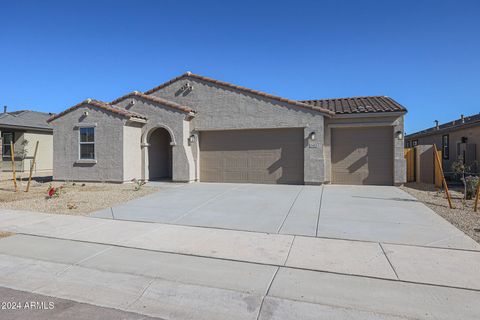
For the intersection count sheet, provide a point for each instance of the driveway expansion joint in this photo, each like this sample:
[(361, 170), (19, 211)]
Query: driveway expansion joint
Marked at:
[(267, 292), (290, 209), (389, 262), (319, 211)]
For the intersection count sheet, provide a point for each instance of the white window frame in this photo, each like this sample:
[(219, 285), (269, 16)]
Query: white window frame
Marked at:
[(80, 143)]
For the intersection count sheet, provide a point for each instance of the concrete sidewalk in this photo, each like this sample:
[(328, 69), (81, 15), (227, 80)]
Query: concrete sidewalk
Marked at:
[(177, 286), (360, 258)]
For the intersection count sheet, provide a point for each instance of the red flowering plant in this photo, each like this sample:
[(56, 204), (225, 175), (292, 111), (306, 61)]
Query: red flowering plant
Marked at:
[(53, 192)]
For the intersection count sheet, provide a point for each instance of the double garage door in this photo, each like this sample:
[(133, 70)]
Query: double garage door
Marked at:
[(252, 156), (362, 155), (359, 156)]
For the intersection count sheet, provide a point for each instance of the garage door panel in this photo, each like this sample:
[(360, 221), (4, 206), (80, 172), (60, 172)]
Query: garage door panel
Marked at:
[(362, 155), (255, 156)]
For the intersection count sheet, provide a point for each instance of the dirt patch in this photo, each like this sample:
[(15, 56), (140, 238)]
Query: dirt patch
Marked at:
[(4, 234), (74, 198), (461, 217)]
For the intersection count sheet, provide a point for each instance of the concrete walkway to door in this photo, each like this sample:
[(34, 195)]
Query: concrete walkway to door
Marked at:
[(368, 213)]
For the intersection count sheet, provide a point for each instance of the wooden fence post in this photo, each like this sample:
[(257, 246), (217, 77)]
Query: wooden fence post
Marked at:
[(12, 154), (439, 163), (31, 167)]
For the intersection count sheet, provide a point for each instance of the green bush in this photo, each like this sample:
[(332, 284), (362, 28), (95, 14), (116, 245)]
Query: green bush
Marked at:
[(471, 183)]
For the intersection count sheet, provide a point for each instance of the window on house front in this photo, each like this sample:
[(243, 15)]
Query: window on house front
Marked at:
[(415, 143), (408, 144), (7, 138), (87, 143), (445, 146)]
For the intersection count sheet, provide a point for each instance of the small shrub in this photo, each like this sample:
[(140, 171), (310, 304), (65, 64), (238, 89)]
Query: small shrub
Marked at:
[(137, 184), (471, 184), (53, 192)]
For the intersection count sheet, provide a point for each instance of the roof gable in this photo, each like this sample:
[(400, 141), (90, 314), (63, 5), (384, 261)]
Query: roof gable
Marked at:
[(154, 99), (101, 105), (242, 89)]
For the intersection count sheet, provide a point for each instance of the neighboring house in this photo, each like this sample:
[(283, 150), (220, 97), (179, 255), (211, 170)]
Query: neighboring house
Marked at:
[(24, 128), (458, 139), (193, 128)]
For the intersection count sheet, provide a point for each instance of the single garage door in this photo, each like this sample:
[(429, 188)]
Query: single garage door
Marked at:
[(362, 155), (252, 156)]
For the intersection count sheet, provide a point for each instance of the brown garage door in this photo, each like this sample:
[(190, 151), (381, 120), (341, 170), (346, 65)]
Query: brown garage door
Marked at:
[(362, 155), (254, 156)]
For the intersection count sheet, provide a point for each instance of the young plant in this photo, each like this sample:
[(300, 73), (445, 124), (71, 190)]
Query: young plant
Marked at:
[(137, 184), (461, 169), (471, 184), (53, 192)]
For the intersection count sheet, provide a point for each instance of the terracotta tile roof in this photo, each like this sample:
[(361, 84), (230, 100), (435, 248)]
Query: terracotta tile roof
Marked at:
[(358, 105), (154, 99), (239, 88), (101, 105), (467, 121)]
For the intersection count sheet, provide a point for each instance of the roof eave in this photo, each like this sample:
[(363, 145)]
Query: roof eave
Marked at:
[(140, 95), (442, 130), (19, 127)]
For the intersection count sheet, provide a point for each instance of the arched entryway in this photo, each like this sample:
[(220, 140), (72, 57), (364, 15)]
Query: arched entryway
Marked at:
[(160, 155)]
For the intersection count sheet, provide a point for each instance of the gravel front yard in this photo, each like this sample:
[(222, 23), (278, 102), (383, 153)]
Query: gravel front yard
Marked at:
[(461, 217), (74, 199)]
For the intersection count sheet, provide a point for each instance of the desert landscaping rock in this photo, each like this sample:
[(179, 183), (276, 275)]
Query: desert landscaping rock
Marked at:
[(81, 199)]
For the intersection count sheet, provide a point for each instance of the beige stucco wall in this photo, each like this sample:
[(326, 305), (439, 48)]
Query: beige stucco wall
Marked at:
[(224, 108), (176, 123), (44, 160), (472, 133), (132, 156), (108, 165)]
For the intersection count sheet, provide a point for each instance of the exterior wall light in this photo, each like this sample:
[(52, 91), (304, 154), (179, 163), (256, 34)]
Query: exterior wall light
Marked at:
[(399, 135), (191, 139), (311, 136)]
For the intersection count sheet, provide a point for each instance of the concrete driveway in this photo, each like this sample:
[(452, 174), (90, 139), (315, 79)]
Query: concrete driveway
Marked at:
[(369, 213), (183, 272)]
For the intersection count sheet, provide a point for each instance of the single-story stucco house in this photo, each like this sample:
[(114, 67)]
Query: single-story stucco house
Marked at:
[(24, 128), (194, 128), (458, 139)]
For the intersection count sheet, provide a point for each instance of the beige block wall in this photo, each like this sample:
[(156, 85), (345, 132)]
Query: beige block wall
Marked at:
[(44, 160), (472, 133), (132, 153)]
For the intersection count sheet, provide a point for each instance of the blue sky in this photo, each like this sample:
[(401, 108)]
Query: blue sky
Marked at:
[(424, 54)]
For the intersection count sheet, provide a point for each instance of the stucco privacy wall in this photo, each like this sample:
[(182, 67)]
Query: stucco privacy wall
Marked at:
[(396, 121), (132, 156), (183, 165), (44, 160), (455, 137), (108, 146), (223, 108)]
